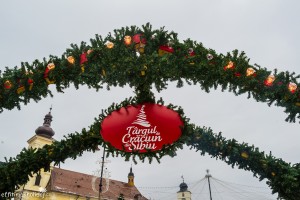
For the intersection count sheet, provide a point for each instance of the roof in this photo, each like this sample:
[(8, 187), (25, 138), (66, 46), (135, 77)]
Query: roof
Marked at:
[(85, 185)]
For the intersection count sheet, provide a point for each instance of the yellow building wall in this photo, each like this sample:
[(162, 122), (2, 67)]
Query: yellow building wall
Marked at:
[(48, 195)]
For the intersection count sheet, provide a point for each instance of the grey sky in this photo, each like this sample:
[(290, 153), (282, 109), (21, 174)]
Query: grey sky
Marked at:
[(268, 31)]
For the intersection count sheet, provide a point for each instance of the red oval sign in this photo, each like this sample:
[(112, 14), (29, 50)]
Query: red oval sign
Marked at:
[(141, 128)]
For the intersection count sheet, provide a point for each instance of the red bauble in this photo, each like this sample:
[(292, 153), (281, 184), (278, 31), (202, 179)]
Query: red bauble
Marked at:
[(138, 38), (144, 127)]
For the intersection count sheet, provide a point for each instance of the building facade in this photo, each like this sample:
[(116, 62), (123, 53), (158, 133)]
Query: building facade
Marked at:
[(184, 193), (62, 184)]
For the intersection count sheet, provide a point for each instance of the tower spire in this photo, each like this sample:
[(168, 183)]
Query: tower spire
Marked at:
[(131, 178), (45, 130)]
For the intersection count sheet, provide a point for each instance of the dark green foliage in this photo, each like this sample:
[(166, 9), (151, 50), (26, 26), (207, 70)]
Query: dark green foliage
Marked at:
[(121, 66)]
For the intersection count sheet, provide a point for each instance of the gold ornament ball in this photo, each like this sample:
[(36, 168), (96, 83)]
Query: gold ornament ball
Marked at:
[(245, 155)]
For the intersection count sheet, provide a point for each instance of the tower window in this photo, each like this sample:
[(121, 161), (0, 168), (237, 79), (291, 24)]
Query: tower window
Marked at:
[(38, 180)]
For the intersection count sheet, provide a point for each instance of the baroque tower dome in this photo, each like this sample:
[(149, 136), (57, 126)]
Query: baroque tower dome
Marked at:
[(45, 130)]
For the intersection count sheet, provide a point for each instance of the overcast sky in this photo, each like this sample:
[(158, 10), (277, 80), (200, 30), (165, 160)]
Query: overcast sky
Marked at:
[(268, 31)]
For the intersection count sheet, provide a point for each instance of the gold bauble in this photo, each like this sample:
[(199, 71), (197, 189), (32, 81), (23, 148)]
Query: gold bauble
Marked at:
[(245, 155)]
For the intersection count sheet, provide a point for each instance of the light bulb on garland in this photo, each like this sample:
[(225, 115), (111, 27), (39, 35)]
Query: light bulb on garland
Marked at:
[(7, 85), (48, 69), (230, 65), (292, 87), (127, 40), (269, 81), (89, 51), (71, 60), (109, 45), (250, 72)]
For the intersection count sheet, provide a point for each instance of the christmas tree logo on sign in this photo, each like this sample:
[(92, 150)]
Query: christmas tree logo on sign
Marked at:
[(142, 118)]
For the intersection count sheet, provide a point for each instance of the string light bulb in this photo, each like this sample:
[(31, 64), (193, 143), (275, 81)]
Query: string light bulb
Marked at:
[(250, 71)]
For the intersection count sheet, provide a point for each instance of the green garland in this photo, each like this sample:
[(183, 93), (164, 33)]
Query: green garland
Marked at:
[(283, 178), (141, 68), (159, 57)]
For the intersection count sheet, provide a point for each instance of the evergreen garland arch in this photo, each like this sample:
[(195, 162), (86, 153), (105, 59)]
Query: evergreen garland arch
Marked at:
[(144, 58)]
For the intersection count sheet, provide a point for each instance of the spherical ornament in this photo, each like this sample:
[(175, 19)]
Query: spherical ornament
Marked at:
[(209, 56), (230, 65), (191, 52), (269, 81), (292, 87), (127, 40), (109, 45), (140, 47), (138, 38), (143, 72), (7, 85), (71, 60), (245, 155), (250, 71)]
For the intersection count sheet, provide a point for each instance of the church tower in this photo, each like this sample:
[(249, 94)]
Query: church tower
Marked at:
[(183, 193), (131, 178), (42, 137)]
